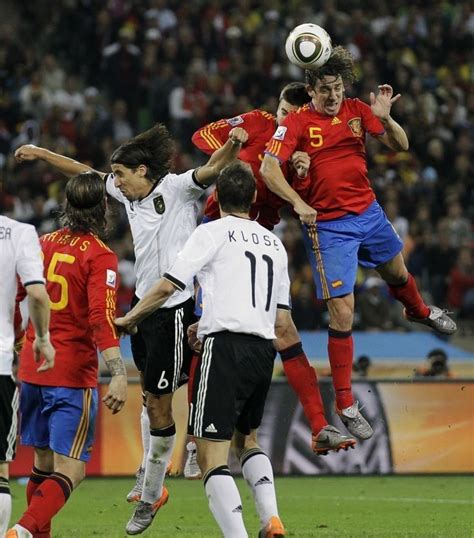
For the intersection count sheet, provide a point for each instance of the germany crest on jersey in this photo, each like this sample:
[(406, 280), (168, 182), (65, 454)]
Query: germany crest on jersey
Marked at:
[(159, 204)]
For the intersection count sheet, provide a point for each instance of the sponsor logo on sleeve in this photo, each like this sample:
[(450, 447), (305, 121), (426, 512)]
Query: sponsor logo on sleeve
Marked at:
[(280, 133), (237, 120), (111, 279)]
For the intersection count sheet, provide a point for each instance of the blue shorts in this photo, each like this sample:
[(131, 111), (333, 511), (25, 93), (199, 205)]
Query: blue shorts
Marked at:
[(60, 418), (367, 239)]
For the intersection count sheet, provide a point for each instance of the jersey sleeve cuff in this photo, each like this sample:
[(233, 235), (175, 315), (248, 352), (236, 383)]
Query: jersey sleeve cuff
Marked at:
[(273, 155), (175, 281), (283, 307), (31, 282), (196, 182)]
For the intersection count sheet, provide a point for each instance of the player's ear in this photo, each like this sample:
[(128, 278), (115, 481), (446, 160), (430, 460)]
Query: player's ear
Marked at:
[(310, 91), (142, 170)]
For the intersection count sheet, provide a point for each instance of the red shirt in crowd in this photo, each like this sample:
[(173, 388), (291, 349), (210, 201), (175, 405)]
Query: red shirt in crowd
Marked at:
[(338, 180), (81, 274)]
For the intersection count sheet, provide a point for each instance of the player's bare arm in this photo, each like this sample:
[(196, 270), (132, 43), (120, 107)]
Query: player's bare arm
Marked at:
[(208, 173), (117, 393), (67, 166), (39, 309), (276, 182), (394, 137), (150, 302)]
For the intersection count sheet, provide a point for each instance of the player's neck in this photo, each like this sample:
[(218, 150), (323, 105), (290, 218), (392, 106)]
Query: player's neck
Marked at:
[(235, 214)]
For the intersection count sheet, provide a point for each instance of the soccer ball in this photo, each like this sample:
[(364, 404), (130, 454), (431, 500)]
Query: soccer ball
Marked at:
[(308, 46)]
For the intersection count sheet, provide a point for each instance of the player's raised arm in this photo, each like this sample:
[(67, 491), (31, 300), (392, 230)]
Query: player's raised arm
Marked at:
[(207, 174), (394, 137), (67, 166)]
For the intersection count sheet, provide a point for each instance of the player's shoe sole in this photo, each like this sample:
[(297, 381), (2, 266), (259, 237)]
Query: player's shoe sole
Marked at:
[(144, 514), (437, 320), (353, 420), (331, 439), (273, 529)]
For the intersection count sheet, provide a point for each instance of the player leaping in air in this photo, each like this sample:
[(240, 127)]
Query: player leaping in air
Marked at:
[(351, 226), (260, 126)]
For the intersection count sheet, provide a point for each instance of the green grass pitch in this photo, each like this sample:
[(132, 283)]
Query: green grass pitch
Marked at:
[(415, 506)]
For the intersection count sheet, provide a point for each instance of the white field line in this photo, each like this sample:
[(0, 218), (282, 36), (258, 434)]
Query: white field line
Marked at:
[(392, 499)]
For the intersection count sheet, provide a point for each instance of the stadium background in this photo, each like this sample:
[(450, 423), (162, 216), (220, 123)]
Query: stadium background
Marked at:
[(81, 76)]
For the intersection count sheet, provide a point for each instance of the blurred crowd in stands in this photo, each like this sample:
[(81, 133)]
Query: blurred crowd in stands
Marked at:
[(81, 76)]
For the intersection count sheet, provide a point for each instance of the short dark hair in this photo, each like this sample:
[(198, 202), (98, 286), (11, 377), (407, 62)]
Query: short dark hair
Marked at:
[(85, 207), (153, 148), (235, 188), (340, 63), (295, 93)]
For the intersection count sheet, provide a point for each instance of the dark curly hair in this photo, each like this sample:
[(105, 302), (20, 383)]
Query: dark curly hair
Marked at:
[(153, 148), (295, 93), (340, 63), (85, 207)]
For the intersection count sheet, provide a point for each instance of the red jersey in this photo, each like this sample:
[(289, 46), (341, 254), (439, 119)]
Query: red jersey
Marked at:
[(260, 126), (338, 180), (81, 281)]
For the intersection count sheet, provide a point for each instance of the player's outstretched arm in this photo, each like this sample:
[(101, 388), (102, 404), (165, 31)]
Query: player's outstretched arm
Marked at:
[(394, 137), (117, 394), (276, 182), (207, 174), (68, 167), (151, 301)]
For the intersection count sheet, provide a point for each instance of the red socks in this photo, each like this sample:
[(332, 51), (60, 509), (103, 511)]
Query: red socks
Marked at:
[(341, 352), (37, 477), (410, 297), (302, 378), (45, 502)]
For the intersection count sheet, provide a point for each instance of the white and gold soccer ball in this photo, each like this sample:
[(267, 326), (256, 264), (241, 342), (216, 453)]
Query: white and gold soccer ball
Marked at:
[(308, 46)]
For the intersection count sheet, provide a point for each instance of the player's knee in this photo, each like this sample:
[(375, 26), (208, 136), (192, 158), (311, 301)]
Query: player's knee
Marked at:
[(341, 316), (286, 335), (159, 411)]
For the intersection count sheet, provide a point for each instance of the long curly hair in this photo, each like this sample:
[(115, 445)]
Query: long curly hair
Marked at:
[(340, 63), (85, 207), (153, 148)]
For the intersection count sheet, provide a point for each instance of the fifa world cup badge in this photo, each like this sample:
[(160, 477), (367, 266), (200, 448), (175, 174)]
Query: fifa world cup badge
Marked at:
[(159, 204)]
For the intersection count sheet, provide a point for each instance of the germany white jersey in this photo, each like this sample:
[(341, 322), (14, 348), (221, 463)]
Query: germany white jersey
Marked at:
[(20, 253), (243, 271), (160, 224)]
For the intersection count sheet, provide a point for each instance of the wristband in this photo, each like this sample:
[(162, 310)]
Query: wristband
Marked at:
[(43, 339)]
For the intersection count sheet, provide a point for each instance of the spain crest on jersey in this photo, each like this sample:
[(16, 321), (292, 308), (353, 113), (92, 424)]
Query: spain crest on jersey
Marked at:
[(159, 204), (356, 127)]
